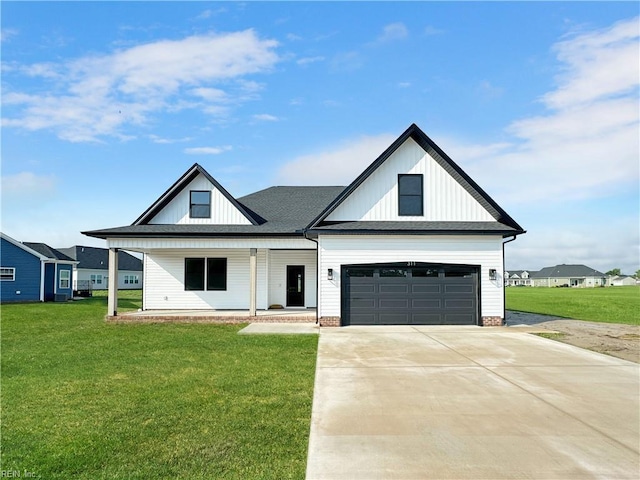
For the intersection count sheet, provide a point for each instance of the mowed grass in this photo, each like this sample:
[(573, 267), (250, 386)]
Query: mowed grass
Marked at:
[(609, 304), (85, 399)]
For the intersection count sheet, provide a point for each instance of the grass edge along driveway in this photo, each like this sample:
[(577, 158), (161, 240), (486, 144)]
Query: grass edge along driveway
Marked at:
[(607, 304), (86, 399)]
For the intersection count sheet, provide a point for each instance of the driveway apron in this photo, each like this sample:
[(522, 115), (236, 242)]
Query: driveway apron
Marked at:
[(470, 403)]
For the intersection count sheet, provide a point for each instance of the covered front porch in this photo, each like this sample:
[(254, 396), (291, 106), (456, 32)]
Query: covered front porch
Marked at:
[(232, 281)]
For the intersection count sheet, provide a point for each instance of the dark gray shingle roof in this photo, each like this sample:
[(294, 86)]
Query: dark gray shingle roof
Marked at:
[(96, 258), (365, 227), (565, 271), (47, 251)]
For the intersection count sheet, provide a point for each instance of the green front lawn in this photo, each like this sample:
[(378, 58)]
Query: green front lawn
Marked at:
[(86, 399), (609, 304)]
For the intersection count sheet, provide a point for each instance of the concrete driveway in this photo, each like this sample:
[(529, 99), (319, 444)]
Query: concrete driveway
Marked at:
[(470, 403)]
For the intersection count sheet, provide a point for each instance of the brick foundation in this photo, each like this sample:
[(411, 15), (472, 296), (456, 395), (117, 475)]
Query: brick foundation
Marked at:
[(329, 321), (207, 319), (492, 321)]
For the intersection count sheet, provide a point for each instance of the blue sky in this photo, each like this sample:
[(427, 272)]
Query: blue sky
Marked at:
[(106, 104)]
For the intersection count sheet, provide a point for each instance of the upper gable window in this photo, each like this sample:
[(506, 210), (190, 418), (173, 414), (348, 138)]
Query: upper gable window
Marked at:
[(410, 195), (199, 204)]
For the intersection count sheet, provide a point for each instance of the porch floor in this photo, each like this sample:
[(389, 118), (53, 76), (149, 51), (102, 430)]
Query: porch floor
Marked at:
[(287, 315)]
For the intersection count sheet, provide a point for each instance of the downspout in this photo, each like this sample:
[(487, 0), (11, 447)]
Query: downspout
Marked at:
[(318, 276), (504, 292)]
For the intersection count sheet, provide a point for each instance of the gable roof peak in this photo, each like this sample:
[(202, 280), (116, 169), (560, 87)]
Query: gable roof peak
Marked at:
[(416, 134), (179, 185)]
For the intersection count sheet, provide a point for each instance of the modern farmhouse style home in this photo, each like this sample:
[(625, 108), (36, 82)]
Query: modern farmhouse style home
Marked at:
[(413, 240)]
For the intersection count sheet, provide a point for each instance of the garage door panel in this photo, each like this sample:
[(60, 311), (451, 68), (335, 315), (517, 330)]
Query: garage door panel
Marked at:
[(363, 288), (458, 303), (427, 319), (458, 319), (396, 318), (363, 303), (363, 318), (422, 303), (401, 295), (418, 288), (394, 303), (390, 288), (468, 289)]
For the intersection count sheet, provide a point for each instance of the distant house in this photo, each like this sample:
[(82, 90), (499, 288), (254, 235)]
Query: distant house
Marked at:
[(32, 272), (518, 278), (621, 280), (569, 276), (92, 268)]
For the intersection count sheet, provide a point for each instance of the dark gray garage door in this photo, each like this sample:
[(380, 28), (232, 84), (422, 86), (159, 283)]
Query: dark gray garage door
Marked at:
[(409, 294)]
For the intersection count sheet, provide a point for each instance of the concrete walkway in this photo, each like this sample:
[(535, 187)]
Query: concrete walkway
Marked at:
[(470, 403)]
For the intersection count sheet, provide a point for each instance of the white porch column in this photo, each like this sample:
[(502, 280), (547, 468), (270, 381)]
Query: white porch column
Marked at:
[(253, 280), (112, 300)]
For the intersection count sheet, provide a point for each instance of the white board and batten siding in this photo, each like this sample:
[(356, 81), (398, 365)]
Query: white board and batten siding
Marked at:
[(339, 250), (278, 261), (164, 281), (223, 212), (376, 199)]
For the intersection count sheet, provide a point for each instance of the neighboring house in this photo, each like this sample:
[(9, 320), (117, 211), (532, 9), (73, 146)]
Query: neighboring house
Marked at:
[(93, 267), (569, 276), (621, 280), (32, 272), (518, 278), (413, 240)]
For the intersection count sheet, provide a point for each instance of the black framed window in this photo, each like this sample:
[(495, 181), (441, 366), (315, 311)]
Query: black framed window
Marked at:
[(194, 273), (410, 194), (201, 272), (199, 204), (216, 273)]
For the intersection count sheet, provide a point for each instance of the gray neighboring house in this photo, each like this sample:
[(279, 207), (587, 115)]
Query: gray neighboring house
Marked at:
[(518, 278), (92, 270), (621, 280), (569, 276)]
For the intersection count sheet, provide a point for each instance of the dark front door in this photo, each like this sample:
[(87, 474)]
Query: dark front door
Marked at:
[(295, 285)]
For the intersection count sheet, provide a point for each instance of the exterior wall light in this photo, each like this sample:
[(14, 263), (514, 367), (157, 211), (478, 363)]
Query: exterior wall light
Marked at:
[(330, 274), (492, 274)]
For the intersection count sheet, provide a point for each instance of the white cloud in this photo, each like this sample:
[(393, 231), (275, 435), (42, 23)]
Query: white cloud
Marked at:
[(26, 189), (265, 117), (7, 33), (337, 166), (207, 150), (308, 60), (587, 145), (100, 95), (393, 31), (431, 30), (162, 140)]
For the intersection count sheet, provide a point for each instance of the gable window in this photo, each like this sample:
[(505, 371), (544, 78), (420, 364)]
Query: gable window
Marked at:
[(201, 272), (65, 278), (7, 274), (410, 195), (199, 204)]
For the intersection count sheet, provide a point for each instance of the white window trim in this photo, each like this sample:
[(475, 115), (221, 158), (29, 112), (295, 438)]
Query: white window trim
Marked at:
[(68, 279), (13, 274)]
